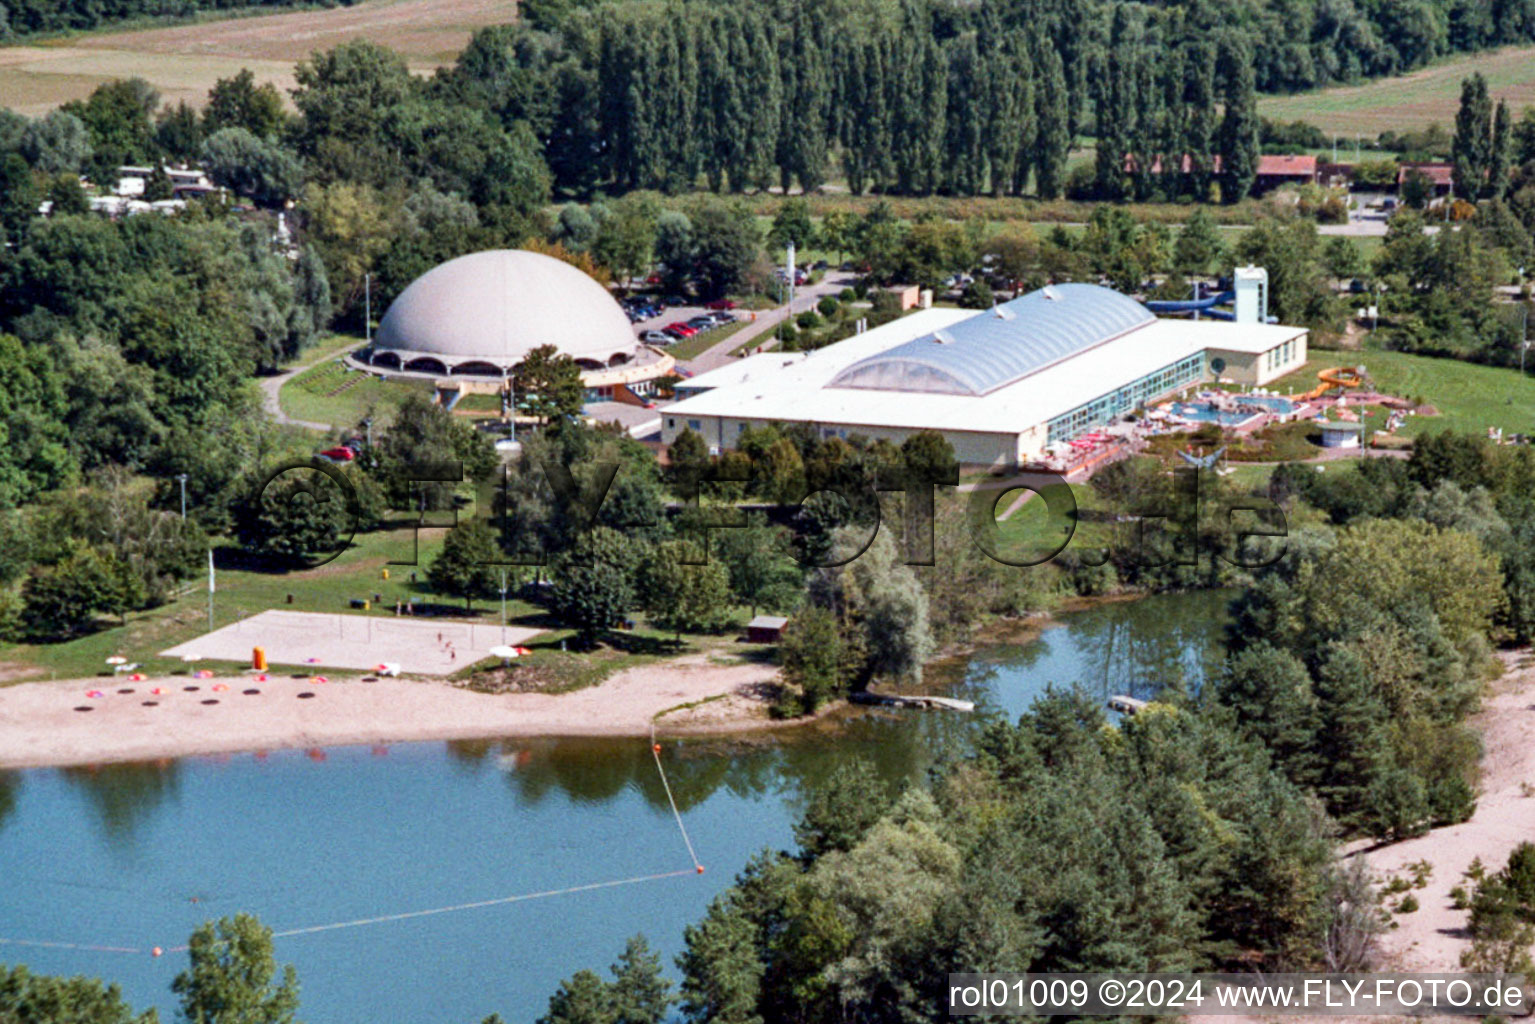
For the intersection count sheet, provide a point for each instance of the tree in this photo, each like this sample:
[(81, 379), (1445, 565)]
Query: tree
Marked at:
[(239, 102), (1239, 125), (626, 239), (1342, 258), (812, 655), (548, 384), (725, 245), (1500, 157), (842, 810), (721, 971), (593, 590), (158, 185), (29, 998), (1198, 247), (641, 994), (294, 517), (1471, 152), (763, 571), (425, 434), (682, 593), (56, 142), (792, 224), (466, 566), (179, 133), (251, 166), (584, 998), (63, 600), (687, 460), (233, 978)]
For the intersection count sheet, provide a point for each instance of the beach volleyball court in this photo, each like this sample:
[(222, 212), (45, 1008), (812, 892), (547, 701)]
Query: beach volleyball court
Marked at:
[(418, 646)]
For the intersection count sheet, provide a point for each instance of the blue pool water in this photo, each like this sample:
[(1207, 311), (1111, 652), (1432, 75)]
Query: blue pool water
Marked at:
[(1205, 412)]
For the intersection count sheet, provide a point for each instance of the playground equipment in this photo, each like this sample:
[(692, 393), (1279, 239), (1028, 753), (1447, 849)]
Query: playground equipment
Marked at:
[(1346, 377), (1203, 461)]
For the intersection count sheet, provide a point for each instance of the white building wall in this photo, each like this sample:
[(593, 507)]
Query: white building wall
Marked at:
[(970, 447)]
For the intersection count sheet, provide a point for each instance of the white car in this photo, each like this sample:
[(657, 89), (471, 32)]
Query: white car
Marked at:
[(656, 338)]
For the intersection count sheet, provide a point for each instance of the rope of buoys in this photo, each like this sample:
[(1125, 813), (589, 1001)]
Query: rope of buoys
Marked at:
[(655, 749), (88, 947), (475, 905), (655, 752)]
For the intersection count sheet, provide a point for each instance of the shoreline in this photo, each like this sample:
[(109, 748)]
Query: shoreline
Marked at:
[(41, 728)]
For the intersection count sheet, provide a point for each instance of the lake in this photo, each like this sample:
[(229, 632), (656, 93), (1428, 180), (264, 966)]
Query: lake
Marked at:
[(138, 855)]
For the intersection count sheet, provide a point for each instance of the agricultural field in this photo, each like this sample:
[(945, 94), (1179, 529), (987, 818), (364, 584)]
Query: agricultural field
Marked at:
[(183, 61), (1413, 100)]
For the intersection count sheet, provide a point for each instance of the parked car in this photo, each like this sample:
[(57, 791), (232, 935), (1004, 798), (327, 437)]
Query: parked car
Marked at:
[(678, 333), (723, 317), (687, 329), (703, 323), (656, 338), (721, 304), (340, 453)]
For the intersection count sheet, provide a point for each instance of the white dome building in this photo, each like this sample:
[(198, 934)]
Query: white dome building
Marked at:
[(480, 315)]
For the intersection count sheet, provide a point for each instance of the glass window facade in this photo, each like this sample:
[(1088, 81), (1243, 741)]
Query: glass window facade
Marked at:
[(1103, 409)]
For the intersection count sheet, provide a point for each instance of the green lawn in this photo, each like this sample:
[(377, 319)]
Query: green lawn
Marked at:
[(329, 393), (688, 348), (555, 665), (1470, 398)]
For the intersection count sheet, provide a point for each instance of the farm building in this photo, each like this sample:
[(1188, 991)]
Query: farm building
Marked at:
[(478, 316), (1002, 385)]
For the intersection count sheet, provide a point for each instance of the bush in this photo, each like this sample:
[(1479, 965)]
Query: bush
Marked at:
[(809, 320), (828, 306), (848, 295)]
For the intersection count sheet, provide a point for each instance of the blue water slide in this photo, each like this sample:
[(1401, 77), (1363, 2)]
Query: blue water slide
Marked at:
[(1205, 305)]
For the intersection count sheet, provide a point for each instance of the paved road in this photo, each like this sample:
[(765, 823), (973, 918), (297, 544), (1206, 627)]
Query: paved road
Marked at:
[(805, 297)]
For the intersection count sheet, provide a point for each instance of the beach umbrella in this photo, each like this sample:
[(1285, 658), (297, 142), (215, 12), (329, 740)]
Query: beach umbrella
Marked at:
[(189, 658), (117, 659)]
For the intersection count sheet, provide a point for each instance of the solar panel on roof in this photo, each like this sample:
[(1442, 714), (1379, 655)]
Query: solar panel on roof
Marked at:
[(996, 348)]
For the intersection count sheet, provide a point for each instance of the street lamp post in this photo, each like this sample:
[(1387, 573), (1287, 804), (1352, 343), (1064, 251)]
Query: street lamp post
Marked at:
[(181, 478)]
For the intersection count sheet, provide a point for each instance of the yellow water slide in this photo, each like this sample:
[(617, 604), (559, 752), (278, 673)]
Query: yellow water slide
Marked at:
[(1336, 377)]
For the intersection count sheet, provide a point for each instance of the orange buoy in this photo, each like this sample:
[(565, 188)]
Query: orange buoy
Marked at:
[(656, 748), (156, 951), (700, 869)]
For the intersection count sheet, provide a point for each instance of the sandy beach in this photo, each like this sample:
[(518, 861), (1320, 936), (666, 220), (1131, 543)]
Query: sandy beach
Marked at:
[(39, 723), (1433, 937)]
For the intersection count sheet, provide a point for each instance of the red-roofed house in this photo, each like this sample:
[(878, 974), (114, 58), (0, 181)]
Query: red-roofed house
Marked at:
[(1440, 176), (1286, 169)]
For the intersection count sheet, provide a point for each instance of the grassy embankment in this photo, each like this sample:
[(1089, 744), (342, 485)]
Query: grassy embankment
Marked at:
[(329, 393)]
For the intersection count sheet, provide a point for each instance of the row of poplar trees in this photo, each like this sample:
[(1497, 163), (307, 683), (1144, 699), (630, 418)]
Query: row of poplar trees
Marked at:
[(891, 99)]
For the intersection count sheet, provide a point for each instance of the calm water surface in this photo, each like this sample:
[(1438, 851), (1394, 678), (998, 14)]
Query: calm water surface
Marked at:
[(138, 855)]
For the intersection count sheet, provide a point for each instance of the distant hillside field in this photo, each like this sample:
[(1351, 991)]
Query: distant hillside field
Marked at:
[(1412, 100), (183, 61)]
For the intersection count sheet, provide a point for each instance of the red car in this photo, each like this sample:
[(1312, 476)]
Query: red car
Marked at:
[(684, 329), (721, 304), (339, 454)]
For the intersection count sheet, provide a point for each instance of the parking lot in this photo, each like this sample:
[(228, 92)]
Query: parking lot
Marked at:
[(659, 323)]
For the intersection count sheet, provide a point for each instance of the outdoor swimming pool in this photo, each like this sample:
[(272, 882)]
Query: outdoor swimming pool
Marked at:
[(1276, 404), (1205, 412)]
